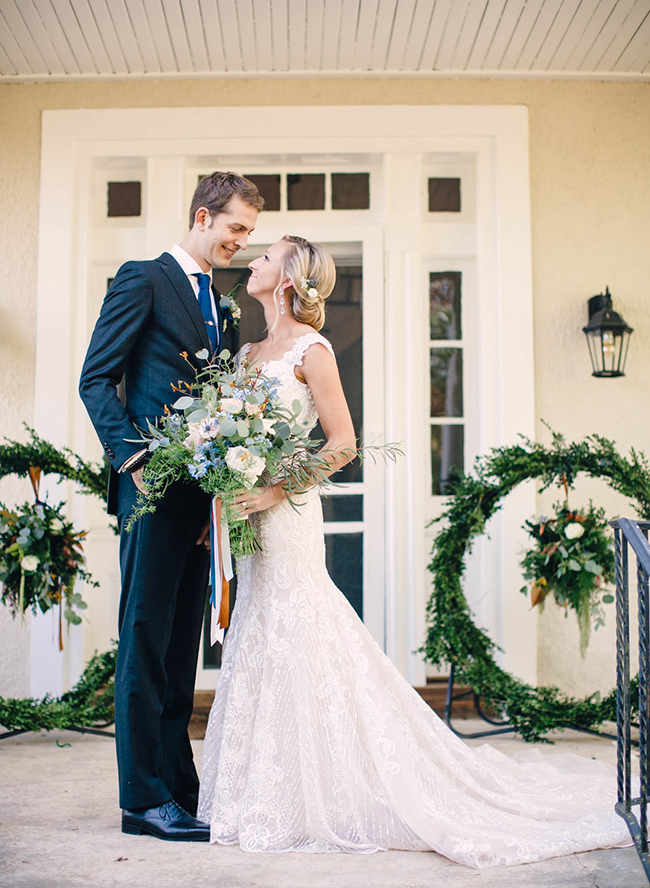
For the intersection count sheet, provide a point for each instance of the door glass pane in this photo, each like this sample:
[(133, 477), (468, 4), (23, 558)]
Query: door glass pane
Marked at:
[(269, 188), (446, 454), (350, 191), (344, 559), (306, 191), (444, 304), (342, 508), (446, 381), (343, 327), (444, 195)]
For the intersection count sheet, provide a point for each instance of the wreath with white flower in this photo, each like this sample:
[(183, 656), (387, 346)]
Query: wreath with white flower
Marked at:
[(452, 636)]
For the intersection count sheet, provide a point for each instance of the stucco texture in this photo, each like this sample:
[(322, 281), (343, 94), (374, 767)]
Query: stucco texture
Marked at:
[(590, 189)]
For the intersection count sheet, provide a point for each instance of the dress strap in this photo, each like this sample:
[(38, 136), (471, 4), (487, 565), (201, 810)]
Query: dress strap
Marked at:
[(301, 345)]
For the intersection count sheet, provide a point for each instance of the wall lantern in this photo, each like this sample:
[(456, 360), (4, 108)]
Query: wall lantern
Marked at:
[(608, 337)]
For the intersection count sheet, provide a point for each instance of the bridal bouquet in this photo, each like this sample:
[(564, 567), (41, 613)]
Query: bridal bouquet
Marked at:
[(228, 431)]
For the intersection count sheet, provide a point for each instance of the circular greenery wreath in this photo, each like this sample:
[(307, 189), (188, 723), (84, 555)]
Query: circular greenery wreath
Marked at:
[(452, 637), (90, 702)]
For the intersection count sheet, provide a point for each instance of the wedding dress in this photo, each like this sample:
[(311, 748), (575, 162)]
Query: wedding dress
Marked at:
[(317, 743)]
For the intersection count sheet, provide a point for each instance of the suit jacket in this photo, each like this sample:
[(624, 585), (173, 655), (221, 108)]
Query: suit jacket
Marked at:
[(149, 318)]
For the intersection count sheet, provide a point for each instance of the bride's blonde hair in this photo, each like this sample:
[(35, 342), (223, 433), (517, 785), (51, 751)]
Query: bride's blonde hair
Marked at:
[(309, 268)]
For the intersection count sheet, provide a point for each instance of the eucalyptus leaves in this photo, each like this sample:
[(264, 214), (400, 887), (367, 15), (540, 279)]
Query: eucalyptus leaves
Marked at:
[(572, 557)]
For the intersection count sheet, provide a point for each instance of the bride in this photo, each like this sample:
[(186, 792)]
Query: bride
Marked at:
[(315, 741)]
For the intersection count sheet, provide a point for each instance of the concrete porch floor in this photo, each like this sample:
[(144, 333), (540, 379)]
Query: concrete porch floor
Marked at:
[(59, 828)]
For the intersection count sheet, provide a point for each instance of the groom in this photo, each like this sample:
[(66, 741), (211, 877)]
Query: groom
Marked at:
[(156, 316)]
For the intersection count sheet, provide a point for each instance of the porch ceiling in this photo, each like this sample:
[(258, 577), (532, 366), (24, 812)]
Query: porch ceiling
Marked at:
[(92, 39)]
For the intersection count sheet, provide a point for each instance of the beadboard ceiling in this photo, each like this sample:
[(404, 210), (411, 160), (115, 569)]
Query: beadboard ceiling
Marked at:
[(108, 39)]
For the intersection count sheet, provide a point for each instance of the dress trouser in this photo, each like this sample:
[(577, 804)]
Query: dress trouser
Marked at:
[(164, 585)]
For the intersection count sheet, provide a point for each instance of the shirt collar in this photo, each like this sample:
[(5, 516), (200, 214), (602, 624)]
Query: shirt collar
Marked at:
[(189, 265)]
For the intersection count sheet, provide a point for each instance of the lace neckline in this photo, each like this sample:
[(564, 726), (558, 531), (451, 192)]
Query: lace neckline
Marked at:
[(287, 354)]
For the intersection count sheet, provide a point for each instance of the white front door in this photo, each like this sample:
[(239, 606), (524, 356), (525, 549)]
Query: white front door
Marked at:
[(394, 158)]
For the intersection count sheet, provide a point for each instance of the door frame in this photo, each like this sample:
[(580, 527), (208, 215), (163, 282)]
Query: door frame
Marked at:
[(496, 137)]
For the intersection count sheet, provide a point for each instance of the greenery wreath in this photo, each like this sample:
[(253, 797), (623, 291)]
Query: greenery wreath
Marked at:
[(453, 638), (18, 459), (90, 702)]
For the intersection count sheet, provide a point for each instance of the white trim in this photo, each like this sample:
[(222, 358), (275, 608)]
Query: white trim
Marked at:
[(448, 74)]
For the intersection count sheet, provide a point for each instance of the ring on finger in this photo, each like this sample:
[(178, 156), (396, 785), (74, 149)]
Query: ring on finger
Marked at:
[(244, 506)]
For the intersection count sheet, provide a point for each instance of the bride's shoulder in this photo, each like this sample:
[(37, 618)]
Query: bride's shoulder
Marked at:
[(309, 338)]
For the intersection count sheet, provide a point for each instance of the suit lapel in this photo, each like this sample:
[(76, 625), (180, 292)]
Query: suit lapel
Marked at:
[(183, 288)]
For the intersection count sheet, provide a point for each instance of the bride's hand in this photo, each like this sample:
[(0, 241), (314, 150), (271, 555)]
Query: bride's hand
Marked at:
[(249, 501)]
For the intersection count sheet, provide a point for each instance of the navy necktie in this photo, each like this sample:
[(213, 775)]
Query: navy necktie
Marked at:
[(205, 304)]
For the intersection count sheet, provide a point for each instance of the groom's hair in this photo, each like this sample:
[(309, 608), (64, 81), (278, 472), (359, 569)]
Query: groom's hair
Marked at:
[(214, 191)]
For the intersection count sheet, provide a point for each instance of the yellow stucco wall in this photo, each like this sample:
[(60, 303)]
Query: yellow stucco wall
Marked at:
[(590, 187)]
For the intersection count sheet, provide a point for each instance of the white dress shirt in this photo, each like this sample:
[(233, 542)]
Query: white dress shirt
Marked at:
[(191, 268)]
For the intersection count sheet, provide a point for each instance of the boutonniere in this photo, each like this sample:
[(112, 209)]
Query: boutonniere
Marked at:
[(230, 309)]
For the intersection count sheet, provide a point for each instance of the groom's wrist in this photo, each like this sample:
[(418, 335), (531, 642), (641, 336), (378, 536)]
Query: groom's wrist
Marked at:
[(134, 462)]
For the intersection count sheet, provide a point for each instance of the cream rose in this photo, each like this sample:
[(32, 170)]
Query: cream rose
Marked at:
[(573, 531), (253, 409), (231, 405), (29, 562), (269, 425), (241, 460), (194, 437), (56, 525)]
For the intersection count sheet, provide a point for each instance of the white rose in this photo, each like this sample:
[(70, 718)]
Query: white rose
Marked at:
[(269, 425), (194, 437), (29, 562), (56, 525), (241, 460), (573, 531), (231, 405), (312, 292)]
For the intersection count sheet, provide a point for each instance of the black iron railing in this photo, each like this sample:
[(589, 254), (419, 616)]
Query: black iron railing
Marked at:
[(632, 534)]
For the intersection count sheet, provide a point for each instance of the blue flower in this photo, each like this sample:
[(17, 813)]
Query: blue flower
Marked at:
[(197, 471)]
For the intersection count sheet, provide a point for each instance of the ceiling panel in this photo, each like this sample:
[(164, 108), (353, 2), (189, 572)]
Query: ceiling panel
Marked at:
[(586, 39)]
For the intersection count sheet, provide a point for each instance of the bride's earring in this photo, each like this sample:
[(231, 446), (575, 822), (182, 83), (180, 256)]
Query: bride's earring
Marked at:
[(281, 293)]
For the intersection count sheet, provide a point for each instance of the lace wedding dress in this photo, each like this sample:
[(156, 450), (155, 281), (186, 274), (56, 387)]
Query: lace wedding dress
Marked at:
[(317, 743)]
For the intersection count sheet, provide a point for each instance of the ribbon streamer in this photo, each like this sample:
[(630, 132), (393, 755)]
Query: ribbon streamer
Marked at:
[(221, 571)]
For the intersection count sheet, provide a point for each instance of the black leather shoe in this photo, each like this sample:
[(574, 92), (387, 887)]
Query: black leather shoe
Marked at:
[(189, 802), (167, 821)]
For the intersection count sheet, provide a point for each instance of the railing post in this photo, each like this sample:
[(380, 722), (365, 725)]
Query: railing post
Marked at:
[(644, 673), (632, 534), (622, 669)]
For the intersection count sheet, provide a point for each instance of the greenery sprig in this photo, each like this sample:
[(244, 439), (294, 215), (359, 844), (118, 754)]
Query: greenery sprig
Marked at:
[(17, 459), (452, 637), (89, 704)]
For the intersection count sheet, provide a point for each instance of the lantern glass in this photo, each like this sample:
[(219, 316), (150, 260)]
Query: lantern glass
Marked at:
[(608, 351)]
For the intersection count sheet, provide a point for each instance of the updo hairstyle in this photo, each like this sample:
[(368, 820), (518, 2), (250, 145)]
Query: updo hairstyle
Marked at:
[(307, 263)]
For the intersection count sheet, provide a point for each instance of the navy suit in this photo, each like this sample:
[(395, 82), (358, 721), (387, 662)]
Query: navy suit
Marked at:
[(149, 318)]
